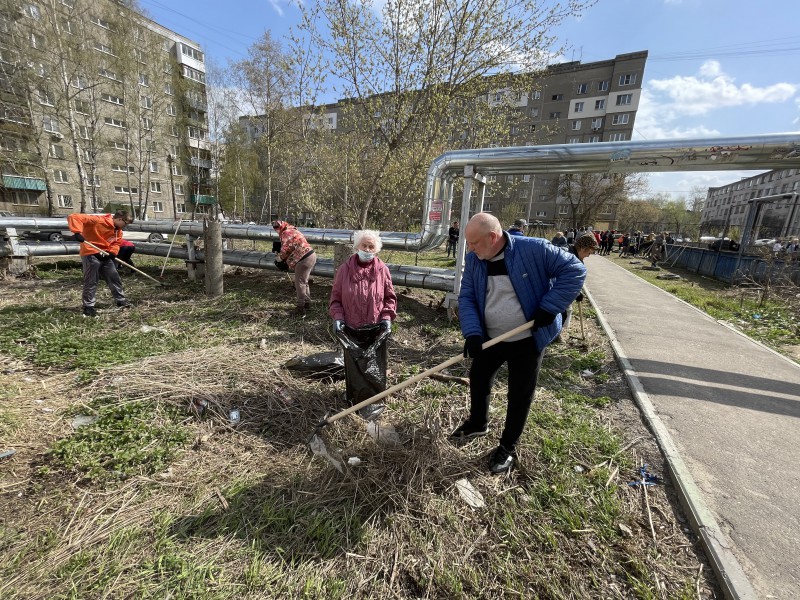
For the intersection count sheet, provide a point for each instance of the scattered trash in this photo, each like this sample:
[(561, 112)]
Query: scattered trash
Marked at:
[(149, 329), (645, 478), (47, 410), (199, 405), (81, 420), (383, 433), (7, 453), (234, 416), (587, 373), (354, 461), (319, 365), (756, 316), (469, 494), (625, 529), (263, 344), (579, 469), (318, 448), (668, 276)]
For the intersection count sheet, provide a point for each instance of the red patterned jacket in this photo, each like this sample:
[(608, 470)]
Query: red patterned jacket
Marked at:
[(293, 244)]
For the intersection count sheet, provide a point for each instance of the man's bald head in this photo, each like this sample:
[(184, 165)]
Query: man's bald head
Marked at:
[(484, 236)]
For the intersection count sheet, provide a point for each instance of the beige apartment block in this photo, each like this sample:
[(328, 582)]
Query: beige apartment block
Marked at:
[(102, 104)]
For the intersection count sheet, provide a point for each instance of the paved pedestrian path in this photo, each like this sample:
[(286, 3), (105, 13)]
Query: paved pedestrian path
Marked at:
[(726, 410)]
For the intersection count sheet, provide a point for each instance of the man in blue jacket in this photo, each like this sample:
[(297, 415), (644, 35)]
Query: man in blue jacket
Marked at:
[(508, 281)]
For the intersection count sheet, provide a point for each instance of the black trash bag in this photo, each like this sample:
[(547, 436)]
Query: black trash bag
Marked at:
[(365, 360), (318, 366)]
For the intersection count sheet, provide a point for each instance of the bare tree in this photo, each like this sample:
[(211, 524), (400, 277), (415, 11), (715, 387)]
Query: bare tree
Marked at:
[(590, 194)]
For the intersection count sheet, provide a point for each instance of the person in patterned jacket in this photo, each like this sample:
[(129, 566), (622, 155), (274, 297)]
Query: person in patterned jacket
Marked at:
[(298, 255)]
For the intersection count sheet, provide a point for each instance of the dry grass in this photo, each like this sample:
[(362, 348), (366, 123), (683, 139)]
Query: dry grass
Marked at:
[(245, 511)]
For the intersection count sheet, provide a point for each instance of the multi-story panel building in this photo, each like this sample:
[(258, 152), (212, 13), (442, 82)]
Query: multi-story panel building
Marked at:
[(570, 103), (727, 206), (102, 105)]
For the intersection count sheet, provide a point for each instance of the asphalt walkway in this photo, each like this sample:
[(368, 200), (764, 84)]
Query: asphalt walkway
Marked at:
[(726, 412)]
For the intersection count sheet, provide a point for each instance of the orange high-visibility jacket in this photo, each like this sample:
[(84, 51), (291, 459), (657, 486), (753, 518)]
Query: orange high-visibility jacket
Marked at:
[(97, 229)]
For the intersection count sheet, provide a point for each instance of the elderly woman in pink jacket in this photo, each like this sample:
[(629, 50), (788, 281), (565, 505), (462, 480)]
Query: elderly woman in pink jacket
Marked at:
[(363, 305)]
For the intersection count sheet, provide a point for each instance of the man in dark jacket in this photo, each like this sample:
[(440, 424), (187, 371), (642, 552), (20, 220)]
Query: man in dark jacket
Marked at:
[(518, 228), (452, 239), (508, 281)]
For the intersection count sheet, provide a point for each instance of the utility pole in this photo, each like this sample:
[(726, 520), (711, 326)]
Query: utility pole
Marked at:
[(170, 160)]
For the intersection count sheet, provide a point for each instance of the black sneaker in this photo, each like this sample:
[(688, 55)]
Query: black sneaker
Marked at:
[(89, 311), (371, 412), (468, 431), (501, 460), (123, 304)]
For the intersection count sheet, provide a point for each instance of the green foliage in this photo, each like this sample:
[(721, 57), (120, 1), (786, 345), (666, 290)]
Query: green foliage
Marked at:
[(129, 438)]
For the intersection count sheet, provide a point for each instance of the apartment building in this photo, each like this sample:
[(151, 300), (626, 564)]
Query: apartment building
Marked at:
[(727, 206), (100, 104), (571, 103)]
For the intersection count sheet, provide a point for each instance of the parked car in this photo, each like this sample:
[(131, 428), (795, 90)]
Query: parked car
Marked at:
[(765, 242), (143, 236), (47, 235), (726, 244), (7, 213)]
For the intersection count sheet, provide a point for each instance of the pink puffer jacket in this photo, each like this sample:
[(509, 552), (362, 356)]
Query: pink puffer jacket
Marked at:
[(362, 294)]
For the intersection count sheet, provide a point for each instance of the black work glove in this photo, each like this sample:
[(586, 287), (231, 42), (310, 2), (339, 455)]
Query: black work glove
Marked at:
[(282, 266), (386, 325), (542, 318), (78, 237), (579, 297), (473, 346), (338, 326)]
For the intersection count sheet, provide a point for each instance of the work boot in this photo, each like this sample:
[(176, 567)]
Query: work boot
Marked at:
[(89, 311), (501, 460), (124, 304), (371, 412), (467, 431)]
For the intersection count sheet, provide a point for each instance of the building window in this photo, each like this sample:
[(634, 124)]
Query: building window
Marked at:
[(46, 98), (147, 124), (32, 11), (104, 48), (557, 97), (526, 178), (158, 207), (60, 176), (108, 74), (37, 41), (173, 130), (154, 166), (534, 112), (120, 145), (620, 119), (83, 107), (574, 140), (628, 79), (112, 99), (602, 86), (623, 99), (582, 87), (25, 198), (64, 201), (597, 124), (605, 209), (87, 156), (147, 102), (144, 79), (537, 95), (194, 74), (100, 22), (80, 82), (180, 207), (123, 168), (617, 137), (50, 124), (179, 189), (579, 107), (96, 181), (576, 125), (114, 122), (555, 115), (139, 54), (155, 186), (594, 138), (541, 213), (563, 210), (168, 89), (177, 170), (600, 104), (171, 110), (56, 151), (191, 52), (123, 189)]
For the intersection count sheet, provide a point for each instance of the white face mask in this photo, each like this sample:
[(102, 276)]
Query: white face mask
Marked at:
[(365, 256)]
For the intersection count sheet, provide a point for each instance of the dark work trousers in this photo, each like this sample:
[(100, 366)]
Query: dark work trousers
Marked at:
[(95, 268), (524, 363), (125, 253)]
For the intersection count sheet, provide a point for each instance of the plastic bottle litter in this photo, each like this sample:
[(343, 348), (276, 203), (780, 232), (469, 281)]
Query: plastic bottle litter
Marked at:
[(234, 416)]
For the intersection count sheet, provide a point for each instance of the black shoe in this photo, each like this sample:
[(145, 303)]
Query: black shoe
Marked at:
[(123, 304), (468, 431), (371, 412), (89, 311), (501, 460)]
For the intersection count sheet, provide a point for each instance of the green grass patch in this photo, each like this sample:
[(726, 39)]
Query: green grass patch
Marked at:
[(129, 438)]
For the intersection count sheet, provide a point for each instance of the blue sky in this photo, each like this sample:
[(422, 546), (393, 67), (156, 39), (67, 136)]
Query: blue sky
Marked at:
[(716, 68)]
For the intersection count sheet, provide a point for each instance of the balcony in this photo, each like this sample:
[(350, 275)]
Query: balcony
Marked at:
[(14, 182), (200, 162), (200, 200)]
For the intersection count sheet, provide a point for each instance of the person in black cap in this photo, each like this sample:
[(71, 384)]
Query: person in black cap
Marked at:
[(518, 228)]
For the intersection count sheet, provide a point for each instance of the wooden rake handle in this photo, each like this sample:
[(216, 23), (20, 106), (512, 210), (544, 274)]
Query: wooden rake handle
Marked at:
[(122, 262), (403, 384)]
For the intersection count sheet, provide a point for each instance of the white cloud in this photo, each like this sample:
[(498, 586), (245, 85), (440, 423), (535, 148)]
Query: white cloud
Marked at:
[(276, 7), (711, 88)]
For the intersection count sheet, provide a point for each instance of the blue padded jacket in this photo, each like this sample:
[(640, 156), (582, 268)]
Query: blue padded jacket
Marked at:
[(543, 276)]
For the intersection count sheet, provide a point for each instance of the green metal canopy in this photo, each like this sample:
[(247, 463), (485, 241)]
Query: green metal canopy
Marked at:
[(201, 199), (14, 182)]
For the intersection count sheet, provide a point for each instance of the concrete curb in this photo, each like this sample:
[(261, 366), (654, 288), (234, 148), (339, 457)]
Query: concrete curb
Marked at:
[(726, 567)]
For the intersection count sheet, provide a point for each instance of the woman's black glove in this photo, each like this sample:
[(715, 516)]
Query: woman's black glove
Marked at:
[(78, 237), (542, 318), (579, 297), (282, 266), (473, 346)]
